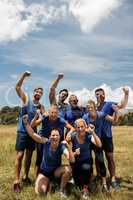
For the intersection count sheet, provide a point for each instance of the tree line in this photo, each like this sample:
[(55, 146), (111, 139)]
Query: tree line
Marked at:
[(9, 115)]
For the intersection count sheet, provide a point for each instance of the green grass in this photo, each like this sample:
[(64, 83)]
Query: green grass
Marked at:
[(123, 141)]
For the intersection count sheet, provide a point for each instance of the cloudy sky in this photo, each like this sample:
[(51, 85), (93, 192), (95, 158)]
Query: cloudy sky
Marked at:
[(90, 41)]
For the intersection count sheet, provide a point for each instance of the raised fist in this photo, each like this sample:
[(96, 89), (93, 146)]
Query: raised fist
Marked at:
[(77, 151), (126, 90), (60, 75), (27, 73)]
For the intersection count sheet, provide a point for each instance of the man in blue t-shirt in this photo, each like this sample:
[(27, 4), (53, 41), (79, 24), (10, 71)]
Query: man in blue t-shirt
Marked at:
[(106, 136), (73, 111), (49, 121), (51, 162), (23, 142), (63, 94)]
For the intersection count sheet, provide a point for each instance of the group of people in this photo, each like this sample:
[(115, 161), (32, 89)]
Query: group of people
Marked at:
[(64, 138)]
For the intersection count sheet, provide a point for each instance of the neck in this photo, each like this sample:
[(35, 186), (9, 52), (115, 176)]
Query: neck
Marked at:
[(36, 101), (93, 115), (54, 146)]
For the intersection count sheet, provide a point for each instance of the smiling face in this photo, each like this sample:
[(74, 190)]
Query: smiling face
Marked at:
[(55, 137), (73, 101), (38, 94), (80, 126), (91, 107), (100, 95), (53, 113), (63, 94)]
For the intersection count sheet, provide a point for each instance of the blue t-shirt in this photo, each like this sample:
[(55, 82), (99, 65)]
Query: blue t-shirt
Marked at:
[(51, 160), (98, 123), (107, 125), (62, 109), (30, 109), (85, 149), (73, 114), (48, 125)]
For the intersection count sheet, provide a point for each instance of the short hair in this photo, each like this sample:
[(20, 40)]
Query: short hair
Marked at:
[(73, 95), (91, 102), (99, 89), (79, 120), (38, 88), (64, 90)]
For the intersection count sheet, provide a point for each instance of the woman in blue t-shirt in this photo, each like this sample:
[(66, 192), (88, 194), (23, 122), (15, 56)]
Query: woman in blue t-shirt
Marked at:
[(81, 141), (51, 162)]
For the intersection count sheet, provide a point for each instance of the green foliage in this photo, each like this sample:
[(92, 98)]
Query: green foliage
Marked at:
[(9, 115), (126, 119)]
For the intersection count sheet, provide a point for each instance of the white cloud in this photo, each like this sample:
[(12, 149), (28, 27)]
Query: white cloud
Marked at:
[(18, 18), (111, 95), (90, 12)]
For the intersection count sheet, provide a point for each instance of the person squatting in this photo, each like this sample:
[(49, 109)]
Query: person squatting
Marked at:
[(65, 139)]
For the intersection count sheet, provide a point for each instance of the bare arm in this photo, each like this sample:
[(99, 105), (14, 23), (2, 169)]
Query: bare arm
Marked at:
[(70, 129), (19, 83), (36, 120), (52, 95), (115, 116), (31, 132), (124, 101), (95, 139)]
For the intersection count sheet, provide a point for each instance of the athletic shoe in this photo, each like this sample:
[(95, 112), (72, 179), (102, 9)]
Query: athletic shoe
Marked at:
[(104, 188), (85, 192), (26, 180), (115, 185)]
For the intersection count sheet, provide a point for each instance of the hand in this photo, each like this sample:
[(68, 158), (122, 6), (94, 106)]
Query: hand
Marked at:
[(26, 74), (25, 119), (60, 76), (77, 151), (90, 128), (115, 108), (126, 90)]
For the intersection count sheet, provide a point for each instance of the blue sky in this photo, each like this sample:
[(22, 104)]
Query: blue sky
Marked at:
[(48, 37)]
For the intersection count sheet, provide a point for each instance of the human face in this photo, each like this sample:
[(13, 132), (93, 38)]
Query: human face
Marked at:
[(100, 96), (62, 96), (55, 137), (38, 94), (80, 127), (53, 113), (90, 107), (73, 101)]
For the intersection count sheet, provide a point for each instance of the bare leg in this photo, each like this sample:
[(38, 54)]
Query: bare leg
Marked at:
[(18, 165), (111, 165), (65, 173), (41, 184), (27, 163)]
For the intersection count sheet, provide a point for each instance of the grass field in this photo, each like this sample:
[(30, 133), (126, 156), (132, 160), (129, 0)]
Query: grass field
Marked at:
[(123, 140)]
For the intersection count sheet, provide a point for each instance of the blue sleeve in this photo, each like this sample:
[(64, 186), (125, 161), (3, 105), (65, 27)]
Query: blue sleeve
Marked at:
[(85, 118), (101, 114), (62, 148), (107, 108), (63, 121)]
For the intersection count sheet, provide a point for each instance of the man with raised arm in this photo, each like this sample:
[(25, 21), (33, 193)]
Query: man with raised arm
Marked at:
[(63, 94), (24, 143), (106, 133)]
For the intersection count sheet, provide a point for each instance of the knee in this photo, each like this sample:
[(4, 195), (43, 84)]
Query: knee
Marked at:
[(19, 157), (67, 170)]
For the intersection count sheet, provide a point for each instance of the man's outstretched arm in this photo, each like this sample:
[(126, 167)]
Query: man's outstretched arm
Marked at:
[(124, 101), (19, 83), (52, 92)]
